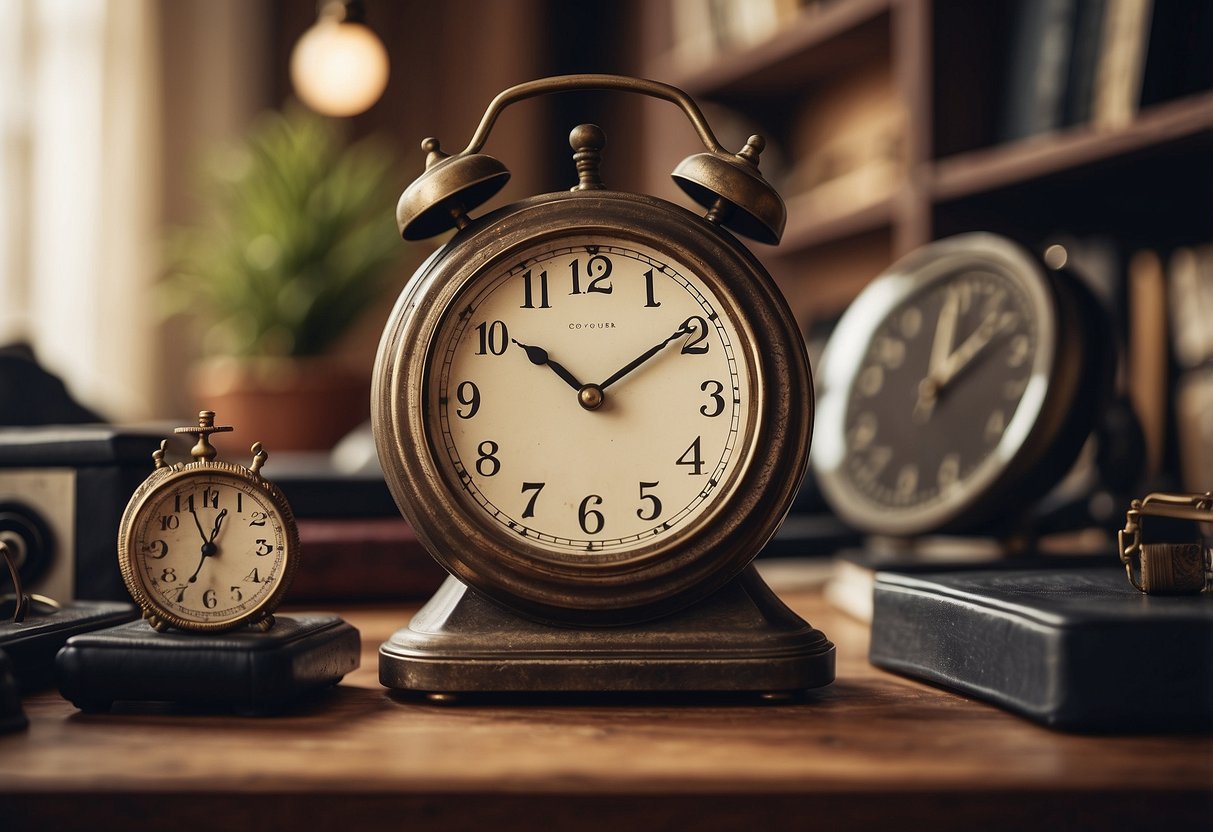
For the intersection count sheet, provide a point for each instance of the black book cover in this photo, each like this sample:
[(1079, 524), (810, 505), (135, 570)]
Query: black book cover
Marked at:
[(1074, 649)]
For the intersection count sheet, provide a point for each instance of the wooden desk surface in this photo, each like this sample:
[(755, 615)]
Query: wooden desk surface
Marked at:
[(872, 751)]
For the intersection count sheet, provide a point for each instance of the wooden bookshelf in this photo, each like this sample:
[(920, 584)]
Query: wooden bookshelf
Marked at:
[(1002, 165), (946, 66)]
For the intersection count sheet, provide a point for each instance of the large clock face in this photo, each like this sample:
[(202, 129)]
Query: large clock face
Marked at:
[(590, 397), (592, 406), (935, 382), (208, 548)]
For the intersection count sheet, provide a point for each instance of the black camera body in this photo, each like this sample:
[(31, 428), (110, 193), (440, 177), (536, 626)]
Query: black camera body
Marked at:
[(62, 493)]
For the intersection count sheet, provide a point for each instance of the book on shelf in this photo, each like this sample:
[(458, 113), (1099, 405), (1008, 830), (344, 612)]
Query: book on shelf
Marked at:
[(1121, 65), (850, 145), (1190, 290), (1098, 62), (1038, 61), (702, 29)]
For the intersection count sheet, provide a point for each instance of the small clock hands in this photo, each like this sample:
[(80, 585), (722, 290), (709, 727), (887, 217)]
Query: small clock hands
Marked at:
[(539, 357), (208, 544)]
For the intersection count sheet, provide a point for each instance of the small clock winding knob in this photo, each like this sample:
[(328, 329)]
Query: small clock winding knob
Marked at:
[(203, 449), (587, 141)]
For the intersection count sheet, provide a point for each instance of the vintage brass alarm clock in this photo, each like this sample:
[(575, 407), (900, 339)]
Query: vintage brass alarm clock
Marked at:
[(958, 388), (595, 408), (207, 545)]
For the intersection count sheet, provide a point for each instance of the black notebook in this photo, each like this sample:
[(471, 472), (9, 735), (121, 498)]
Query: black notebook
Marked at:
[(1076, 649)]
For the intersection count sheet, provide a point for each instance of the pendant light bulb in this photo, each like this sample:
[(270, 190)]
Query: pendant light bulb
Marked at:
[(339, 67)]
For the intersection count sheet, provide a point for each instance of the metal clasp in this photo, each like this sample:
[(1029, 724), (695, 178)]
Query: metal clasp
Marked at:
[(1165, 568)]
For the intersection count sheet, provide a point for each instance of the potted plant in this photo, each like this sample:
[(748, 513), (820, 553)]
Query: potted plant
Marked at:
[(293, 249)]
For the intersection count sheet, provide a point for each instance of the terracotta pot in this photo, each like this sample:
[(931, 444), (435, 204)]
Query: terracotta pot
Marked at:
[(292, 404)]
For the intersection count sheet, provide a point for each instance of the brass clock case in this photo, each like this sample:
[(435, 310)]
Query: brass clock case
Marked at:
[(677, 568), (165, 480), (1067, 375)]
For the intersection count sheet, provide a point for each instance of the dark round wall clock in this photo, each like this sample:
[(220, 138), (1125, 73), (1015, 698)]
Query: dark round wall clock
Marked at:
[(958, 387)]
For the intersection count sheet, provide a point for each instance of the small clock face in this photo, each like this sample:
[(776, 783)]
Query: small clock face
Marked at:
[(664, 428), (208, 548), (593, 407), (932, 385)]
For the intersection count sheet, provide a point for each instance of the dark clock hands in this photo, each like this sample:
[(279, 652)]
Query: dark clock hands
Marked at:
[(539, 357), (591, 396), (685, 328), (208, 543)]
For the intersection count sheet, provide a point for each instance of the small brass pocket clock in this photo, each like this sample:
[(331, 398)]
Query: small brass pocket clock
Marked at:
[(207, 545), (593, 406)]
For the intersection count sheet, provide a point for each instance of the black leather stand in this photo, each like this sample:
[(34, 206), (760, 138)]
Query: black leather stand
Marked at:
[(253, 673), (31, 644), (1073, 649)]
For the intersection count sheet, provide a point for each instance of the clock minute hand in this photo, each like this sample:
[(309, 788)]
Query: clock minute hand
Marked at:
[(197, 522), (993, 324), (539, 357), (683, 329)]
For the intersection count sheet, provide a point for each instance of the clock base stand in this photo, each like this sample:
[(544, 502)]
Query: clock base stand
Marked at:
[(250, 672), (741, 639)]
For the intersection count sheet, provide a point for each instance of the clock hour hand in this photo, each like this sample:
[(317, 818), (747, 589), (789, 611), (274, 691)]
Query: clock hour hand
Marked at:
[(941, 350), (683, 329), (539, 356), (945, 334), (218, 523)]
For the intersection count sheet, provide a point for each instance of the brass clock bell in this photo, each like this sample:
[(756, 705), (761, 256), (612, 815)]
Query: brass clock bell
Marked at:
[(729, 185)]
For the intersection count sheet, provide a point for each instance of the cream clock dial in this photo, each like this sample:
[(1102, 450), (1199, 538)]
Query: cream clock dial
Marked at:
[(591, 397), (595, 407), (211, 547), (207, 545)]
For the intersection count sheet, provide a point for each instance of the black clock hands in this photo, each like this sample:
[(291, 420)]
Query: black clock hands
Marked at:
[(208, 543), (591, 396), (685, 328), (539, 357)]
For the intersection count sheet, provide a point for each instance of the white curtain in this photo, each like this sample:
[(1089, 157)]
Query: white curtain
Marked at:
[(106, 109), (79, 177)]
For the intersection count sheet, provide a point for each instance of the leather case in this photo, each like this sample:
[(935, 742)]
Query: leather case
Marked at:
[(1074, 649), (31, 644), (248, 671)]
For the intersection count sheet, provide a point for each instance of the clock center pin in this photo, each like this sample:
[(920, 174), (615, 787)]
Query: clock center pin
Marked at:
[(590, 396)]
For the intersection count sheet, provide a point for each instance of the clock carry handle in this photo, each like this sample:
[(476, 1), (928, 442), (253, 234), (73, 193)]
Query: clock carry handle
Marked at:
[(729, 185)]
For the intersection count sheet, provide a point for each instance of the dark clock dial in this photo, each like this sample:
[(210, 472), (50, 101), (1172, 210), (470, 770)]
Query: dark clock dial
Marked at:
[(938, 387), (952, 391)]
